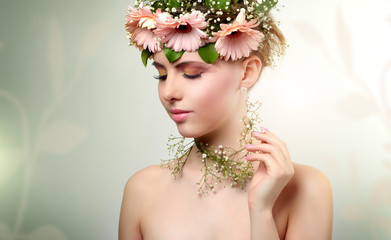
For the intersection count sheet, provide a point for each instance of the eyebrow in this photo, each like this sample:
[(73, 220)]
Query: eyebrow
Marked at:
[(179, 65)]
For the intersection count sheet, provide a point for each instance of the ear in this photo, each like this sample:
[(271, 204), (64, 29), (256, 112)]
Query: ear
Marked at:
[(252, 67)]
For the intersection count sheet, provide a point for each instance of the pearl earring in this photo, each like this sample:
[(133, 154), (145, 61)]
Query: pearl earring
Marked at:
[(243, 90)]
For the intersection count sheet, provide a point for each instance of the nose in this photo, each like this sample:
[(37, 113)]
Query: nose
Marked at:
[(171, 89)]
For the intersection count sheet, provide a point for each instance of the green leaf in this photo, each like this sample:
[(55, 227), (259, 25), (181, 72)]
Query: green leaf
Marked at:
[(159, 4), (145, 54), (174, 4), (266, 6), (208, 53), (171, 55)]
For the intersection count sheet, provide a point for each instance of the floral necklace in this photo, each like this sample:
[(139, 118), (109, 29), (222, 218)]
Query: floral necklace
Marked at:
[(221, 163)]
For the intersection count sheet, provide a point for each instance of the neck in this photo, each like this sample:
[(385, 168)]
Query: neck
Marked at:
[(224, 165), (228, 135)]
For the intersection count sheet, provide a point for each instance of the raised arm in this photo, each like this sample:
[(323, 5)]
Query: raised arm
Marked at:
[(274, 172), (310, 202)]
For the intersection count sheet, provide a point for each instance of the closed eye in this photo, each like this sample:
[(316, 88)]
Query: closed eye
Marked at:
[(164, 77), (160, 77), (192, 76)]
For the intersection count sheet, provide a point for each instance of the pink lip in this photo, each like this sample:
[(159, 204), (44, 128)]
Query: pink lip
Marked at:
[(179, 115)]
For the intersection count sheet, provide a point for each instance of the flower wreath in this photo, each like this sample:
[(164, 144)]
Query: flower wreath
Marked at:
[(225, 29)]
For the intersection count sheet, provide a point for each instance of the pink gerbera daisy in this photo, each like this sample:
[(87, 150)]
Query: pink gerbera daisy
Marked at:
[(144, 38), (140, 25), (142, 17), (183, 33), (238, 39)]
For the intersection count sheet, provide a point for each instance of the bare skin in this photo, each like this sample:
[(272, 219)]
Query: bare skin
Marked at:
[(284, 200), (160, 207)]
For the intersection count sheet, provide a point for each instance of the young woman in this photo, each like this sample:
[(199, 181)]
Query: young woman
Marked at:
[(204, 74)]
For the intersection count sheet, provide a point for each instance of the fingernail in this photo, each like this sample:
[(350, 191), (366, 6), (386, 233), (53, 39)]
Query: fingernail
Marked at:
[(248, 145), (265, 129), (257, 132)]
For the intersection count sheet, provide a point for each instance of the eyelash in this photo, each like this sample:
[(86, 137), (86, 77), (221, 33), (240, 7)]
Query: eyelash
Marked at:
[(158, 77), (164, 77)]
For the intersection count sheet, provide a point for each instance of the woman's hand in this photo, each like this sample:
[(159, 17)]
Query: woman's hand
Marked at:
[(273, 173)]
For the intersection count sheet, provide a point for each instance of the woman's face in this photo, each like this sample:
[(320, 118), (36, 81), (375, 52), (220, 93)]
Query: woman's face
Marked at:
[(199, 97)]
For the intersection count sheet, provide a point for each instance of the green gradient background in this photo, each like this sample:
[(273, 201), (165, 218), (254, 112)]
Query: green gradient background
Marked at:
[(79, 113)]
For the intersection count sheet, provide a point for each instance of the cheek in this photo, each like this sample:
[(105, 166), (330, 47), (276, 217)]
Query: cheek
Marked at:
[(159, 89), (218, 94), (161, 96)]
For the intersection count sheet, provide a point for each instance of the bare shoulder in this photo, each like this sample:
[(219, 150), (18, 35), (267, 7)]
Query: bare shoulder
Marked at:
[(311, 205), (146, 174), (308, 185), (145, 180), (138, 195), (311, 186), (310, 178)]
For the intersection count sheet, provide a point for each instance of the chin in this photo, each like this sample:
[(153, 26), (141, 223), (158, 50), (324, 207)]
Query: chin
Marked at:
[(189, 131)]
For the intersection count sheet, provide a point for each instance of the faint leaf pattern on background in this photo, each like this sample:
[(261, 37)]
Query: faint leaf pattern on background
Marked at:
[(10, 162), (356, 106), (56, 58), (5, 232), (330, 163), (92, 40), (387, 164), (343, 40), (353, 174), (385, 224), (309, 33), (381, 191), (380, 200), (61, 136), (353, 213), (387, 147), (385, 90), (11, 159), (47, 232)]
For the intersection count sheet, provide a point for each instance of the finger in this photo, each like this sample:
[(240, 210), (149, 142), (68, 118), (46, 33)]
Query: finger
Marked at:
[(270, 166), (267, 148), (278, 150), (265, 159), (275, 153), (269, 137)]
